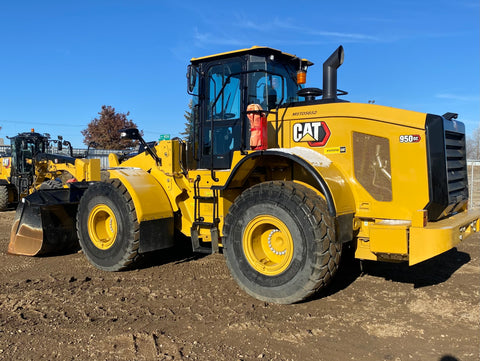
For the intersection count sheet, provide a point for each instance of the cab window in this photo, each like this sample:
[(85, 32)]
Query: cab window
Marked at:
[(223, 101), (272, 87), (224, 91)]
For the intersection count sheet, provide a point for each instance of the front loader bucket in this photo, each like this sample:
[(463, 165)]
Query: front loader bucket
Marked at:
[(44, 223)]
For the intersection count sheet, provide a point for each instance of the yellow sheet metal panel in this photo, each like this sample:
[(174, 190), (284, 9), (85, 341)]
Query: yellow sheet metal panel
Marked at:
[(337, 185), (357, 111), (340, 189), (390, 238), (86, 169), (150, 199), (113, 160), (408, 161), (142, 160), (441, 236), (93, 170)]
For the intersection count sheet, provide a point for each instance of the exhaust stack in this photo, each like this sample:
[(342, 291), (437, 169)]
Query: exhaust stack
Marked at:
[(330, 74)]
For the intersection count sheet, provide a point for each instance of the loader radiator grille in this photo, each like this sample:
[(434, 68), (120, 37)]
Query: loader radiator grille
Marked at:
[(448, 180), (456, 165)]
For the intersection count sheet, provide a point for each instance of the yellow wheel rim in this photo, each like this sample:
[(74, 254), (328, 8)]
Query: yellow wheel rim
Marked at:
[(268, 245), (102, 227)]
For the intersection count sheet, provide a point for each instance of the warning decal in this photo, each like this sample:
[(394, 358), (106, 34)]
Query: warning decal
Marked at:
[(335, 150)]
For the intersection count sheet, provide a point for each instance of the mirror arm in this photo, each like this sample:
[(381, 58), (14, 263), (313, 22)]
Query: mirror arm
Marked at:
[(134, 134)]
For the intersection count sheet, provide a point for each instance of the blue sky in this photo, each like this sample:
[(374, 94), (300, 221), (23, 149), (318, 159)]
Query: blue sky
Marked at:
[(60, 61)]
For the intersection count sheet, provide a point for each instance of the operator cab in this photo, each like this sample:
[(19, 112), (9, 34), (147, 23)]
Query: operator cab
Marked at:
[(222, 86), (25, 146)]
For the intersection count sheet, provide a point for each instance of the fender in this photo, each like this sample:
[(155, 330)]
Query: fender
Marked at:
[(154, 210), (326, 178)]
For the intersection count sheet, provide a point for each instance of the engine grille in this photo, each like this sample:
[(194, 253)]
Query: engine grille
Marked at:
[(448, 180), (456, 166)]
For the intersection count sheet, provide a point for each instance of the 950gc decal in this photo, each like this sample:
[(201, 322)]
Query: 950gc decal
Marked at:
[(410, 138), (316, 134)]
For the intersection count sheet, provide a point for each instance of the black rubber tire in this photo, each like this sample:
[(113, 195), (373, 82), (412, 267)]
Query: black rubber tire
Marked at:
[(123, 253), (3, 198), (316, 254)]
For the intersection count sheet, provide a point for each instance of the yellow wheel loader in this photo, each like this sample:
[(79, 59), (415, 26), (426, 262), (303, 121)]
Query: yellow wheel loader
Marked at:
[(17, 170), (7, 194), (32, 167), (278, 177)]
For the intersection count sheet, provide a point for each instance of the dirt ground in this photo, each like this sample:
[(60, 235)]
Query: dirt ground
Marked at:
[(178, 306)]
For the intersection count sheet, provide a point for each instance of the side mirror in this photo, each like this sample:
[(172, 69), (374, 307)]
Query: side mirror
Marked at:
[(129, 133), (134, 134), (191, 78)]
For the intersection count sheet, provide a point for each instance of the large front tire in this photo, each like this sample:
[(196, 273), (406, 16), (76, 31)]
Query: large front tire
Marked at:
[(107, 226), (280, 242), (3, 198)]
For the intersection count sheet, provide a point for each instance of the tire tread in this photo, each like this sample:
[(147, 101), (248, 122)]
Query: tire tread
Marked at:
[(327, 251), (3, 198), (131, 254)]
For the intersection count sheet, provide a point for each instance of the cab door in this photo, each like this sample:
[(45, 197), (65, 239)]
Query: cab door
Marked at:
[(221, 124)]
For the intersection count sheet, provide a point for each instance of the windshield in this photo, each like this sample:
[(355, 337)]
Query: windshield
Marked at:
[(276, 86)]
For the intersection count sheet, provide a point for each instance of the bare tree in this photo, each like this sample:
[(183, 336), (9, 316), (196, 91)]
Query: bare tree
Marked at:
[(105, 130), (473, 145)]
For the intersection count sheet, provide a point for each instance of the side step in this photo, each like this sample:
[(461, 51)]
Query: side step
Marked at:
[(213, 234)]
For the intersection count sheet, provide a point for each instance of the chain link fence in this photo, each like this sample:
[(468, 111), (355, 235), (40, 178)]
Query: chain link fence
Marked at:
[(101, 154), (4, 150)]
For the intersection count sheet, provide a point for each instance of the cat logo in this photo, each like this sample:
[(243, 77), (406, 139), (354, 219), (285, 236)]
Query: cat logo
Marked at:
[(316, 134)]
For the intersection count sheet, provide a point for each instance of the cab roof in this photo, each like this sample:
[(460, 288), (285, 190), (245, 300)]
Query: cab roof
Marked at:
[(30, 135), (254, 50)]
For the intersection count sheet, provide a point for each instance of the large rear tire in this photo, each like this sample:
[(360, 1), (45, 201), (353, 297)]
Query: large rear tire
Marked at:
[(3, 198), (280, 242), (107, 226)]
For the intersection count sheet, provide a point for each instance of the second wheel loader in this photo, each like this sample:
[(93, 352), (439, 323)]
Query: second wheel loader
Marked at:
[(36, 161), (34, 170), (278, 177)]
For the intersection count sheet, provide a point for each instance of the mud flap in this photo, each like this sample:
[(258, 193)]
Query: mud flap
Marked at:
[(45, 222)]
